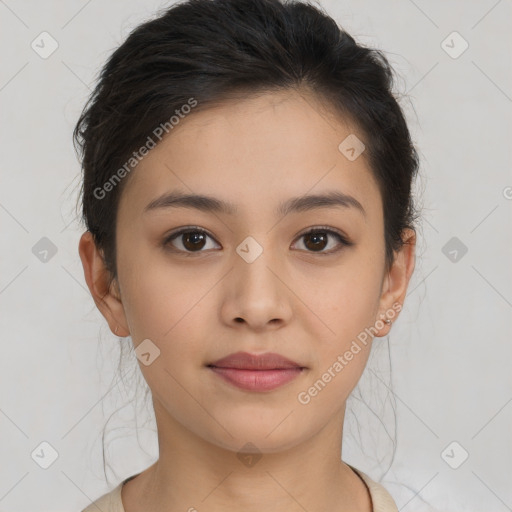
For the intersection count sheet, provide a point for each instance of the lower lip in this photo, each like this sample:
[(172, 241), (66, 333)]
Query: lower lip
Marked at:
[(257, 380)]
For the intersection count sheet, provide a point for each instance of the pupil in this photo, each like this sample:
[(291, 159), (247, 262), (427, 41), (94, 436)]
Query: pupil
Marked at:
[(316, 237), (194, 236)]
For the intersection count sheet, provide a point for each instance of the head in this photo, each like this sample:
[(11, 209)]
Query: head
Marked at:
[(257, 105)]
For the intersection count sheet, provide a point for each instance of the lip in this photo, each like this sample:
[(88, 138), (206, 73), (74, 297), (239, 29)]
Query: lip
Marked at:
[(257, 380), (253, 372), (246, 361)]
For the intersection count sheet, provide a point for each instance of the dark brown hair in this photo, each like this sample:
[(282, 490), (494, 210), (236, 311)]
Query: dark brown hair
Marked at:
[(211, 50)]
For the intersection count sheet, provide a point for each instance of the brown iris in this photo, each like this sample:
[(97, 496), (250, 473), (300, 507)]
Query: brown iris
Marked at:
[(315, 238), (193, 240)]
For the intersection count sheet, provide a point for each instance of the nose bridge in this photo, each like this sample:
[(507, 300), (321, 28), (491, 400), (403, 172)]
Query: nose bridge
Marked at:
[(252, 266), (259, 296)]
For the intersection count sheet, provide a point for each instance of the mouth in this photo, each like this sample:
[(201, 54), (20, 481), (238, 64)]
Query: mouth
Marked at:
[(257, 380), (246, 361), (251, 372)]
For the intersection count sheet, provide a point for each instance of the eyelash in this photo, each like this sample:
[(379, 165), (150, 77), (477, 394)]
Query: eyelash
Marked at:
[(196, 229)]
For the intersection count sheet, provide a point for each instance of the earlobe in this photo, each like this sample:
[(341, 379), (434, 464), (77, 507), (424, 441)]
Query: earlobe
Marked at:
[(105, 294)]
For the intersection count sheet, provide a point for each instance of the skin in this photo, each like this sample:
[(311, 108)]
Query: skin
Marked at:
[(292, 300)]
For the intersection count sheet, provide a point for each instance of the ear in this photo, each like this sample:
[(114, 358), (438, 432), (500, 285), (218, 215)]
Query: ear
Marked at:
[(396, 282), (107, 298)]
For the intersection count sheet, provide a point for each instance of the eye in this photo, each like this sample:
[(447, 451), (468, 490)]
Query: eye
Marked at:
[(316, 239), (191, 239)]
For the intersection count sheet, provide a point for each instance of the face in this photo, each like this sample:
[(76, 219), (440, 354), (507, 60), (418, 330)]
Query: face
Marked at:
[(253, 279)]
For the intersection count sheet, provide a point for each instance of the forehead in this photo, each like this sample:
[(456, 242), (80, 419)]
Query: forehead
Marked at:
[(266, 147)]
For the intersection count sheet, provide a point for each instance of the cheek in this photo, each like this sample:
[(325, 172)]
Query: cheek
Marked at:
[(169, 307), (349, 309), (342, 354), (349, 303), (154, 292)]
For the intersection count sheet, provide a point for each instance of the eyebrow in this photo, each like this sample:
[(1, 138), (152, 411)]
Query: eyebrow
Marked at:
[(177, 199)]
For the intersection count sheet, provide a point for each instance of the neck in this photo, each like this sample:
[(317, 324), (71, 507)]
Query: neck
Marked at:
[(192, 473)]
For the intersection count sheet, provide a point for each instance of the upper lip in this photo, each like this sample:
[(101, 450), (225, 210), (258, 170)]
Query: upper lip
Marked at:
[(246, 361)]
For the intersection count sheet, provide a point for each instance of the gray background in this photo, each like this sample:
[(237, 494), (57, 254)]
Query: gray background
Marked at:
[(447, 373)]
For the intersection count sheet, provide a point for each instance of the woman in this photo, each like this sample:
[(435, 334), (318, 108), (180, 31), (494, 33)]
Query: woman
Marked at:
[(250, 226)]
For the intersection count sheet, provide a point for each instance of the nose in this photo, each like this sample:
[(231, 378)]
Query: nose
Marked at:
[(256, 295)]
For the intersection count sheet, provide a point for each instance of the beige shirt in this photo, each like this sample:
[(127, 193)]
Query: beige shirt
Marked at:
[(381, 499)]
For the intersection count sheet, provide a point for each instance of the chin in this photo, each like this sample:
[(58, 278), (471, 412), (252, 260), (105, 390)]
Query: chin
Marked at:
[(259, 437)]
